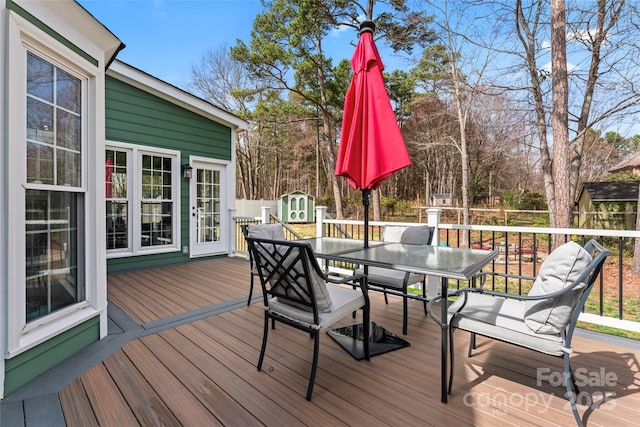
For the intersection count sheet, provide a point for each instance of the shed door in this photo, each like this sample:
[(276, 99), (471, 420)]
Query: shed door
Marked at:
[(297, 208), (208, 205)]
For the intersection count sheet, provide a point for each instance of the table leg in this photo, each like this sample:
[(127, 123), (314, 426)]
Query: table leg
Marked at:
[(443, 345)]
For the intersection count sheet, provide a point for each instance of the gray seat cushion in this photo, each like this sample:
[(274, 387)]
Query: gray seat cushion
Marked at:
[(390, 278), (344, 301), (502, 319), (563, 267)]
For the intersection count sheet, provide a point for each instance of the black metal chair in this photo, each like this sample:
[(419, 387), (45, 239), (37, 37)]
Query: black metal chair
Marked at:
[(270, 231), (543, 320), (385, 279), (297, 293)]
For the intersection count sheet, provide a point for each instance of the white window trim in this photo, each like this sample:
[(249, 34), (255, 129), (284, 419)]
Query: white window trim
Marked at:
[(134, 196), (23, 36)]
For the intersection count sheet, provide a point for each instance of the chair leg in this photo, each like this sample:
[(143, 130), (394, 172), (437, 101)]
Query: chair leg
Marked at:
[(314, 364), (472, 344), (571, 395), (450, 360), (250, 290), (386, 300), (366, 322), (265, 334), (424, 295), (405, 315)]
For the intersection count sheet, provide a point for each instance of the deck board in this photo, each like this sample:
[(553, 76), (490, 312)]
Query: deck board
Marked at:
[(204, 372)]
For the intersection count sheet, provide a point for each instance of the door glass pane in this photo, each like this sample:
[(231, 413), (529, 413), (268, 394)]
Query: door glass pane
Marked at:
[(208, 206)]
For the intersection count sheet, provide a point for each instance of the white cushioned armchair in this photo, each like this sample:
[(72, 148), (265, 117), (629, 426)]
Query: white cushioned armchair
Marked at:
[(543, 320)]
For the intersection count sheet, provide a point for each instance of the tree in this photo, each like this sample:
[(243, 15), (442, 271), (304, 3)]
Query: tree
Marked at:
[(601, 86), (286, 53)]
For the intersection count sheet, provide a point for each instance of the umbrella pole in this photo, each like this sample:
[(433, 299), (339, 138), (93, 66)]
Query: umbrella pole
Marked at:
[(365, 201)]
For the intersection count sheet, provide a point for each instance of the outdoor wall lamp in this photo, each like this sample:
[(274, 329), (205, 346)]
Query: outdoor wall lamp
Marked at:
[(187, 171)]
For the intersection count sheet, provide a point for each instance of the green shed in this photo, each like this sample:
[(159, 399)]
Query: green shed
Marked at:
[(296, 207)]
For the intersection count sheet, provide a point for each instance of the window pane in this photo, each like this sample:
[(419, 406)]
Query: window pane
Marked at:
[(39, 78), (39, 121), (68, 91), (68, 167), (51, 243), (117, 225), (68, 130), (39, 163), (116, 194), (49, 123), (157, 221)]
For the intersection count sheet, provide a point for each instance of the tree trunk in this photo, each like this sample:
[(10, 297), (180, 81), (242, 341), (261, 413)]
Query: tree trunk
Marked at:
[(375, 197), (560, 115), (635, 270)]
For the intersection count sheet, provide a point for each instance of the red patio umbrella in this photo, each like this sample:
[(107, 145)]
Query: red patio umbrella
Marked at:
[(371, 144)]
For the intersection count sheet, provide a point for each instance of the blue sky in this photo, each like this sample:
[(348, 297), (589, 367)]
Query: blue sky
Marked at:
[(165, 38)]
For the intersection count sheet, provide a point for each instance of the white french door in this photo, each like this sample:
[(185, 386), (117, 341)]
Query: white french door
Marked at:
[(208, 209)]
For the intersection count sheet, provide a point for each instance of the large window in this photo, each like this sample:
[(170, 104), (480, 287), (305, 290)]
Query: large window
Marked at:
[(141, 195), (54, 170), (157, 201)]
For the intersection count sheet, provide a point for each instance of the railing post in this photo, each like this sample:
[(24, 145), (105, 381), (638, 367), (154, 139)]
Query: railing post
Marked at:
[(433, 220), (266, 214), (321, 212), (233, 232)]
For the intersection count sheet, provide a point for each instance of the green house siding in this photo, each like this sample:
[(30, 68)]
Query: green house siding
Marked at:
[(26, 366), (138, 117)]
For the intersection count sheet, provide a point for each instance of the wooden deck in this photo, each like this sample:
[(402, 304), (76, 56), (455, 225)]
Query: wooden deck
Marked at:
[(204, 372)]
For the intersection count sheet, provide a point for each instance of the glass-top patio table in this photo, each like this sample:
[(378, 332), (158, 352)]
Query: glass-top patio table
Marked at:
[(438, 261)]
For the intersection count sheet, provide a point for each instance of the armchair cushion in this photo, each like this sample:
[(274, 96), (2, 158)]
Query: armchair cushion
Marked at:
[(413, 235), (393, 233), (419, 235), (563, 266), (390, 278), (501, 318), (345, 301), (266, 231), (297, 281)]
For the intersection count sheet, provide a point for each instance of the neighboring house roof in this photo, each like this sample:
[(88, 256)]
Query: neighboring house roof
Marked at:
[(617, 191), (144, 81), (631, 163)]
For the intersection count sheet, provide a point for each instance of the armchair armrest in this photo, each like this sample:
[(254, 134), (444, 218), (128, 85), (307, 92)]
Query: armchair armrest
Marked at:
[(344, 280)]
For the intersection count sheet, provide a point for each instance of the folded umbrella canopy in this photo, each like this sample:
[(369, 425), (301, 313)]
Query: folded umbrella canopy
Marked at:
[(371, 144)]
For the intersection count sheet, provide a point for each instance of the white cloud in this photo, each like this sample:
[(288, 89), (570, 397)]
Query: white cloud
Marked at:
[(570, 67), (336, 32)]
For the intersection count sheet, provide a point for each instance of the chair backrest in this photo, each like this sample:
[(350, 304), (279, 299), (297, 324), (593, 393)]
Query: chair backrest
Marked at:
[(289, 271), (566, 286), (263, 231), (415, 235), (268, 231)]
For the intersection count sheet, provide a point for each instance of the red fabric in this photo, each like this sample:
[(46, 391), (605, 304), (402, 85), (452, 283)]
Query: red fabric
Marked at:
[(371, 144), (108, 178)]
